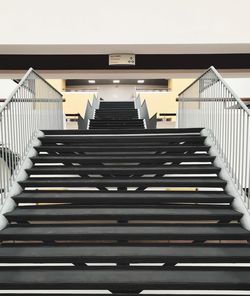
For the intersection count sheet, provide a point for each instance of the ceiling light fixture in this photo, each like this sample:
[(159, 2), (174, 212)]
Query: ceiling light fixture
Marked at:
[(140, 81), (116, 81), (92, 81)]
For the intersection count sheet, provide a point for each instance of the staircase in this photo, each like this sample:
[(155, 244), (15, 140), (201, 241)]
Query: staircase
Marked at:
[(97, 203), (116, 115)]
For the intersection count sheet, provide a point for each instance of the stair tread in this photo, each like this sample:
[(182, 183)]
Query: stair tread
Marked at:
[(121, 120), (115, 117), (136, 159), (111, 125), (179, 278), (125, 232), (121, 109), (113, 142), (128, 110), (115, 125), (113, 182), (124, 110), (116, 121), (120, 127), (192, 169), (151, 253), (109, 108), (74, 213), (110, 148), (116, 112), (93, 197)]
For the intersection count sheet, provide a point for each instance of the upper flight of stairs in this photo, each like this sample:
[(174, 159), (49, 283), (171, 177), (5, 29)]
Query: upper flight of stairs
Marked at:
[(109, 197), (116, 115)]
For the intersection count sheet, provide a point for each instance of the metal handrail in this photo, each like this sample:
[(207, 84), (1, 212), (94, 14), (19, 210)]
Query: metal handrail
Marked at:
[(196, 80), (209, 102), (32, 106), (218, 75), (238, 99), (21, 82)]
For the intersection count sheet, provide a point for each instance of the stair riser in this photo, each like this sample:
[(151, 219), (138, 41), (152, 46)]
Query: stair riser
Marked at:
[(116, 201), (116, 183), (68, 171), (182, 131), (124, 140), (137, 237), (119, 159), (177, 149)]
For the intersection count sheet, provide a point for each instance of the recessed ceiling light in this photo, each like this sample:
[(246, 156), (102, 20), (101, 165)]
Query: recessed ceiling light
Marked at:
[(91, 81), (140, 81), (116, 81)]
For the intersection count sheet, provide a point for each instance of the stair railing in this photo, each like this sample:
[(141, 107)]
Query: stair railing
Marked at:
[(33, 105), (96, 102), (153, 122), (209, 102), (90, 112), (144, 113), (137, 102)]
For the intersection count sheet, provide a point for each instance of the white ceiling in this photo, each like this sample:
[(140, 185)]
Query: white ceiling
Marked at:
[(139, 26)]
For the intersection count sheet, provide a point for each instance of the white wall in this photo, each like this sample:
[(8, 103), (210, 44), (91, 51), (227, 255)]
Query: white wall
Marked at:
[(124, 22), (6, 87), (241, 86), (117, 92)]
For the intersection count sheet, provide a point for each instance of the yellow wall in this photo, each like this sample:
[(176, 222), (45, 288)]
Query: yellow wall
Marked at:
[(165, 102), (75, 102), (58, 84)]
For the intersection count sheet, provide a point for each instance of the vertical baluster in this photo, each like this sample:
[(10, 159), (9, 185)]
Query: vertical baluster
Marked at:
[(2, 173), (247, 165)]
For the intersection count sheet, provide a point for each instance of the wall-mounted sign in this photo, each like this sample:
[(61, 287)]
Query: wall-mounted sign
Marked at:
[(121, 60)]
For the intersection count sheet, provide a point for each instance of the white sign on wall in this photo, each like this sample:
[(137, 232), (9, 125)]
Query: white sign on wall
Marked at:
[(121, 59)]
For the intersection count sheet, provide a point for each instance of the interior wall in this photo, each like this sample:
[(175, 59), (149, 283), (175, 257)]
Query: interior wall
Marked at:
[(165, 102), (241, 86), (117, 92), (74, 102), (6, 87)]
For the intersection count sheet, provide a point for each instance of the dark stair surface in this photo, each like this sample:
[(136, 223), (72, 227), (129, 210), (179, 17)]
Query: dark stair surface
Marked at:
[(116, 115), (123, 197), (183, 253), (125, 213), (125, 278), (125, 170)]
